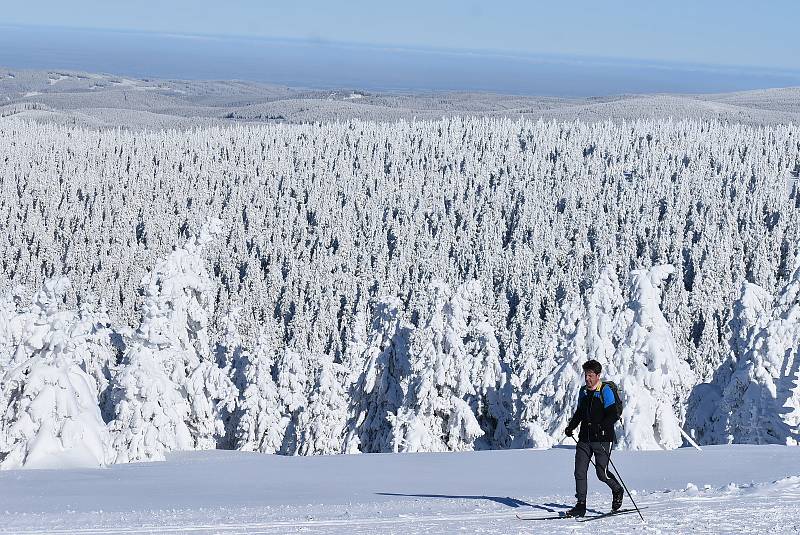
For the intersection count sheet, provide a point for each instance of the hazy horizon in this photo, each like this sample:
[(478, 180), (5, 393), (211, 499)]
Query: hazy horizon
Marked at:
[(316, 63)]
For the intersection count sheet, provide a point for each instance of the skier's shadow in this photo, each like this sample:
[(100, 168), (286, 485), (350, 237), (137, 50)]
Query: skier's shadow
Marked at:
[(507, 501)]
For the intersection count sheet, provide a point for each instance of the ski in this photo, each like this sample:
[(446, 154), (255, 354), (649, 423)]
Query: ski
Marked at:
[(524, 517), (578, 518), (612, 513)]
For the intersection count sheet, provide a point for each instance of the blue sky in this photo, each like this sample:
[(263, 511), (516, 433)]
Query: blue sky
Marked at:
[(728, 32), (569, 47)]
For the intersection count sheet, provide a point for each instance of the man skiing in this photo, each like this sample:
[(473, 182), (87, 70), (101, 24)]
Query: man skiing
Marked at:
[(596, 413)]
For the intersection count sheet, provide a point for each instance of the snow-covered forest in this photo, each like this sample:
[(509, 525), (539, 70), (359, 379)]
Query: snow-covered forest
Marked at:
[(374, 287)]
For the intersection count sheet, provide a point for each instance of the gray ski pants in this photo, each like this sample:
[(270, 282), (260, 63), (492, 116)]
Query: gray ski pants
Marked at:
[(602, 452)]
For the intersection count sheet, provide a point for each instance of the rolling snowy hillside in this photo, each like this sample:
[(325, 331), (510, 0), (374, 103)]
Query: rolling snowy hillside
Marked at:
[(108, 101)]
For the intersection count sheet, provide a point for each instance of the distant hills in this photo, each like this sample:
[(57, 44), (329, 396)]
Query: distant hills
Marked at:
[(103, 100)]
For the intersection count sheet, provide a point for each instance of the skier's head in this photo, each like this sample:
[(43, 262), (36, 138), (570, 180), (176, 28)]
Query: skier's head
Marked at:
[(591, 373)]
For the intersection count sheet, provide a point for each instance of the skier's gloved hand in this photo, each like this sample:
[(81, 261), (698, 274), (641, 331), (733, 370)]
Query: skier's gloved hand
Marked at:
[(569, 431)]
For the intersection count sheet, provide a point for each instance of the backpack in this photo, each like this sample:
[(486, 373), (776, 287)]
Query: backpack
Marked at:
[(617, 399)]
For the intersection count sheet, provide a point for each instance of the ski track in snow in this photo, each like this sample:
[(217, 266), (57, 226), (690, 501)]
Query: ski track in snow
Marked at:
[(737, 510)]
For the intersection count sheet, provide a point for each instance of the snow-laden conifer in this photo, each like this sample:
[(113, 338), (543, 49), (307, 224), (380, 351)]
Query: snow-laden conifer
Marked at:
[(150, 411), (292, 385), (435, 415), (761, 403), (261, 419), (94, 350), (604, 305), (49, 413), (492, 403), (588, 329), (378, 390), (550, 406), (713, 407), (323, 423), (654, 380), (11, 323), (173, 337)]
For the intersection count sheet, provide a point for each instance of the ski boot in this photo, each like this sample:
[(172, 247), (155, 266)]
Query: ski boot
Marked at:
[(616, 500), (578, 510)]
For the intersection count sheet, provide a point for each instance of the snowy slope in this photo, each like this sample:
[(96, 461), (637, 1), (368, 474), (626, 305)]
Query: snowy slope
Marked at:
[(725, 489)]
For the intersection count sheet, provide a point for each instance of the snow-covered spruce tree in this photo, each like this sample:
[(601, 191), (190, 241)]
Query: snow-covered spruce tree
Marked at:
[(11, 328), (212, 397), (451, 380), (150, 410), (322, 424), (292, 387), (708, 411), (761, 403), (94, 351), (654, 381), (19, 323), (589, 329), (493, 402), (229, 348), (353, 358), (787, 312), (432, 406), (173, 336), (232, 356), (550, 404), (261, 421), (604, 306), (49, 414), (750, 313), (378, 390)]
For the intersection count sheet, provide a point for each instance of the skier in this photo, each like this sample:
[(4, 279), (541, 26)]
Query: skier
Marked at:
[(596, 414)]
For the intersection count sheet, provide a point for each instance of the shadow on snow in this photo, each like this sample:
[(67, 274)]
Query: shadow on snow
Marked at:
[(507, 501)]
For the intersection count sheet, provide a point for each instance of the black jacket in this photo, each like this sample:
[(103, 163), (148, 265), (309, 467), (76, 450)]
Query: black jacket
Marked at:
[(596, 415)]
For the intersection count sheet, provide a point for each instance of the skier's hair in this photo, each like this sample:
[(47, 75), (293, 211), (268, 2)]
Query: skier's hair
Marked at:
[(592, 365)]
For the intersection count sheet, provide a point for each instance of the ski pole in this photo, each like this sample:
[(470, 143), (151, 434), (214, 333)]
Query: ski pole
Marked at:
[(620, 480), (624, 486)]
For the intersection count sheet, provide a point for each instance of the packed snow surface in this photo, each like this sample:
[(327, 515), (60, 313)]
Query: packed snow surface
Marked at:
[(724, 489)]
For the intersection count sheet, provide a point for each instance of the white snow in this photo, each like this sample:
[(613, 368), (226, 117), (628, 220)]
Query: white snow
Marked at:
[(56, 77), (725, 489), (125, 82)]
